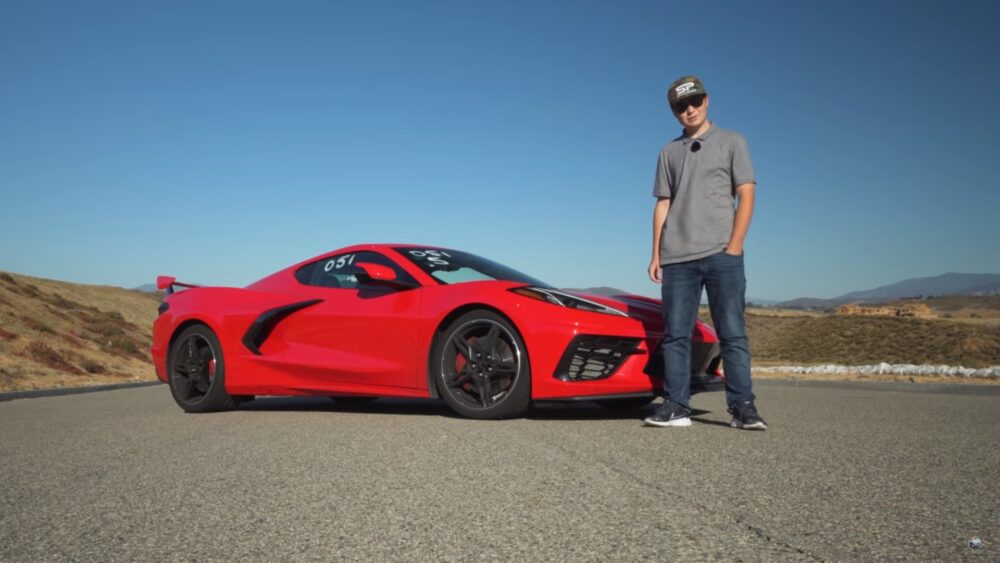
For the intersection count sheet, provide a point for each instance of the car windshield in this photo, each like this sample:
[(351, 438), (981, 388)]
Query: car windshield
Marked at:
[(455, 266)]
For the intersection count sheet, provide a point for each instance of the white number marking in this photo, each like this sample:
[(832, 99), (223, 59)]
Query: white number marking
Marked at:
[(338, 263), (434, 257)]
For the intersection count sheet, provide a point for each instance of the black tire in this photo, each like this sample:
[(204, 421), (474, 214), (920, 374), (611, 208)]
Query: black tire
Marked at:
[(628, 403), (351, 400), (480, 367), (196, 371)]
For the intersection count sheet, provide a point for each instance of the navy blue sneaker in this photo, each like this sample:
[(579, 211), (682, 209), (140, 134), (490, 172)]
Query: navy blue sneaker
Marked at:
[(745, 416), (669, 414)]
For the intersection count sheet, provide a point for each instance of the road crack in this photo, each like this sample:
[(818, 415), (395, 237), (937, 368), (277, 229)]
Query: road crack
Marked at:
[(740, 522)]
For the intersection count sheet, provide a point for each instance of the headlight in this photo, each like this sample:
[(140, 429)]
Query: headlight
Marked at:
[(564, 299)]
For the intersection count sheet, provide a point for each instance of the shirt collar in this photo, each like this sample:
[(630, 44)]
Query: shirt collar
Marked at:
[(704, 136)]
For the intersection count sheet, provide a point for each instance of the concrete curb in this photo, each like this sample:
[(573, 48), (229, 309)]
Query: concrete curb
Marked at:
[(11, 395), (898, 386)]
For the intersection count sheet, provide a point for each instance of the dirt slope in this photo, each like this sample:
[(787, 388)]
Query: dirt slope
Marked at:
[(56, 334), (870, 340)]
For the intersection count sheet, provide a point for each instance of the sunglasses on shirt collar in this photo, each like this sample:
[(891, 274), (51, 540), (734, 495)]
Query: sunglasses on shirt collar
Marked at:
[(693, 101)]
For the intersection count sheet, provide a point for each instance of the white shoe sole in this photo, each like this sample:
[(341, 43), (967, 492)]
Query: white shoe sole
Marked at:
[(686, 421), (755, 426)]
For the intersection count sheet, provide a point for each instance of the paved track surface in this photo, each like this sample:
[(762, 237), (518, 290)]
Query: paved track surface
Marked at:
[(844, 474)]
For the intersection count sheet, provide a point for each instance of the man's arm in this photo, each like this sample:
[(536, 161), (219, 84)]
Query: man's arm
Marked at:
[(659, 218), (744, 211)]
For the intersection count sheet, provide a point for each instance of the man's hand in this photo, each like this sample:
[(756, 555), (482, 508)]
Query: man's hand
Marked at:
[(655, 274), (744, 211), (659, 218)]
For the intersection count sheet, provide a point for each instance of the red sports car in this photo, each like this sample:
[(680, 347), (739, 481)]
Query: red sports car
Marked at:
[(394, 320)]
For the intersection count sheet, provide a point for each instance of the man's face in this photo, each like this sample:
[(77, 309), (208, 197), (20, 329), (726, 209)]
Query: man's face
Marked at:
[(692, 111)]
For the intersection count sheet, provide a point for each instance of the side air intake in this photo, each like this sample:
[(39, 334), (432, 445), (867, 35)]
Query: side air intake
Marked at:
[(591, 357), (265, 323)]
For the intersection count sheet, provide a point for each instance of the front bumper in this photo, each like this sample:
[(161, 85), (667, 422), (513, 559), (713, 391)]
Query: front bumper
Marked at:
[(613, 358), (570, 357)]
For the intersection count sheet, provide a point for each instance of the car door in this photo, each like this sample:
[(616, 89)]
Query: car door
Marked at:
[(359, 334)]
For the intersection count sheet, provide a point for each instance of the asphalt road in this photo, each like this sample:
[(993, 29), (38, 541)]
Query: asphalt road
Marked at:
[(843, 474)]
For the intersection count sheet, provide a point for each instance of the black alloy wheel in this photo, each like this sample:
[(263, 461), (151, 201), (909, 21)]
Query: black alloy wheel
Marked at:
[(482, 368), (196, 371)]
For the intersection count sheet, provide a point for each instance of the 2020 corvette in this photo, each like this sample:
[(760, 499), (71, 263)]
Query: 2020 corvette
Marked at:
[(395, 320)]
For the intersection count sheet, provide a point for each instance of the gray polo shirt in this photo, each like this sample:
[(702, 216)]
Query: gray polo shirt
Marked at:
[(700, 176)]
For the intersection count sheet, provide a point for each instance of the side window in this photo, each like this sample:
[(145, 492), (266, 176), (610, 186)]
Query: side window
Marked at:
[(340, 271), (335, 272), (304, 274)]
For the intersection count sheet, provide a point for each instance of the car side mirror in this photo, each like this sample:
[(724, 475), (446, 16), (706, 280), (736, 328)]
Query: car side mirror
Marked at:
[(374, 272), (377, 274)]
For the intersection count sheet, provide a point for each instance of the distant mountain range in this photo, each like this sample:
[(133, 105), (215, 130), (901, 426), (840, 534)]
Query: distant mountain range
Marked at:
[(612, 291), (602, 290), (945, 284)]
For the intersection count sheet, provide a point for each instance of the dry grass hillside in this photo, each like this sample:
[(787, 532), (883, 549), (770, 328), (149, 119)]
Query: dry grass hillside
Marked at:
[(833, 339), (57, 334)]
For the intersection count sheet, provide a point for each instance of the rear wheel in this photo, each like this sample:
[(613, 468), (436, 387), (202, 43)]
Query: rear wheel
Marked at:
[(197, 371), (481, 367)]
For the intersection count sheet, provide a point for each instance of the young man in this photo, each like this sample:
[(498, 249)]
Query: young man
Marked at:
[(698, 243)]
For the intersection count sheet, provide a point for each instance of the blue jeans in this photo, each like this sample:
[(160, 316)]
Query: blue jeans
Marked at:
[(723, 278)]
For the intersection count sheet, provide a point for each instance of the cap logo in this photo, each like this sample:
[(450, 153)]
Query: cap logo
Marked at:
[(684, 88)]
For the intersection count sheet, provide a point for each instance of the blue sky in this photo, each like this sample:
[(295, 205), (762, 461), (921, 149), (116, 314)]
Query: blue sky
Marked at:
[(220, 141)]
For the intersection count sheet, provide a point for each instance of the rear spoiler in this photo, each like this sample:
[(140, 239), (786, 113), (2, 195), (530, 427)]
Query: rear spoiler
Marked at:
[(167, 283)]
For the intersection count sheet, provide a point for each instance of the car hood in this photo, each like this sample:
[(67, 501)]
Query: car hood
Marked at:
[(645, 309)]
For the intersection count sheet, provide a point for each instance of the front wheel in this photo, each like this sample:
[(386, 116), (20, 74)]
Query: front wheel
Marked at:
[(197, 371), (481, 367)]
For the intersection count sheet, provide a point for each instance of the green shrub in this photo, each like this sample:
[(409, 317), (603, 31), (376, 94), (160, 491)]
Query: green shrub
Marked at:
[(37, 325), (45, 355), (60, 302), (92, 367)]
